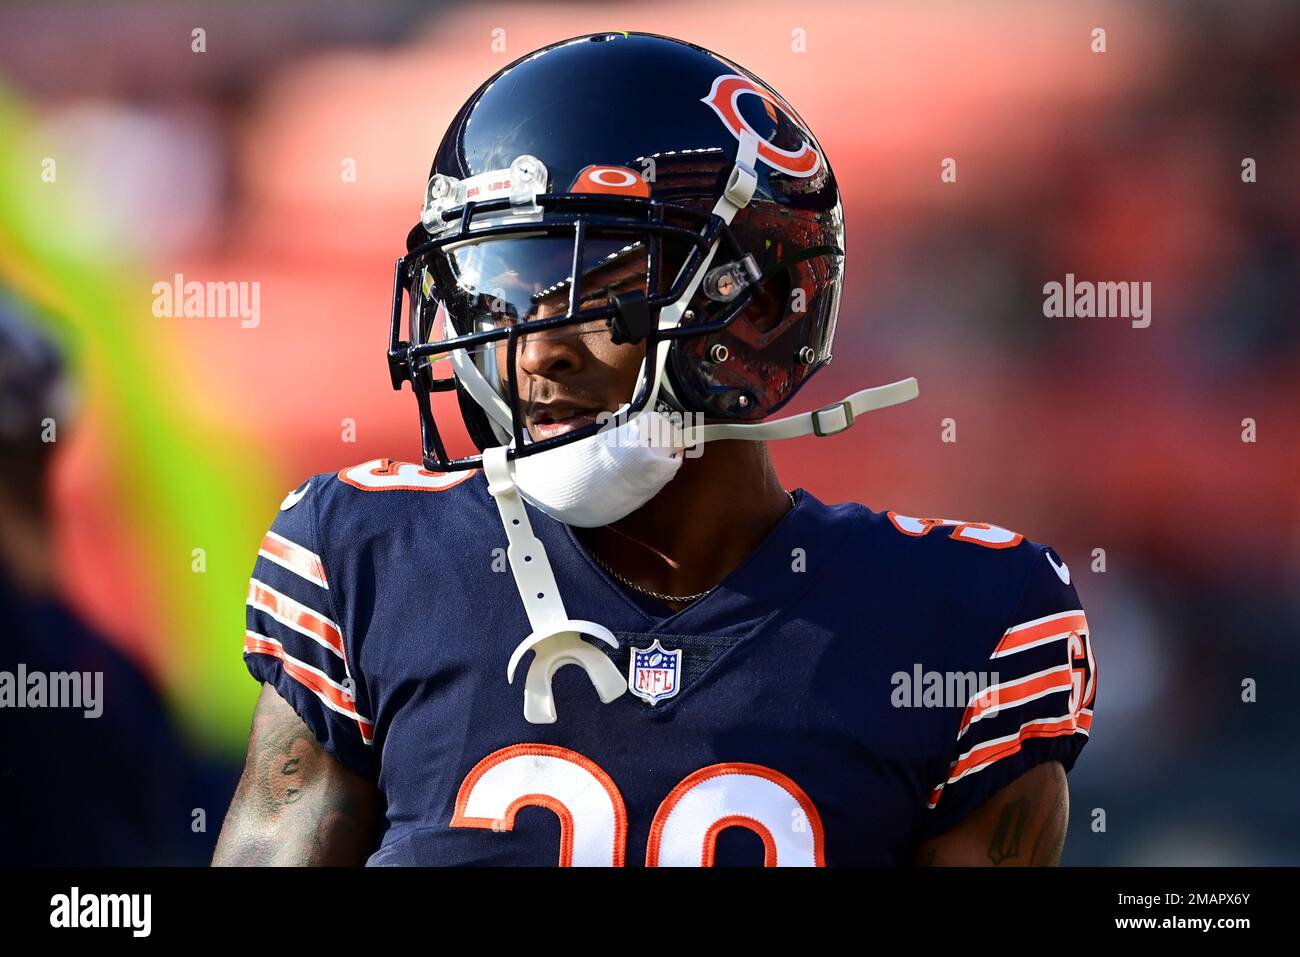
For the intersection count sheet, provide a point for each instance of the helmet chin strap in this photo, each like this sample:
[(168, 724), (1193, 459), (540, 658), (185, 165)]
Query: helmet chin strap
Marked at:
[(556, 638), (828, 420)]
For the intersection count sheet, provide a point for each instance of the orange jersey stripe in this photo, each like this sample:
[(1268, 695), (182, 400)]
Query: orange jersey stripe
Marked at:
[(986, 754), (1012, 693), (989, 754), (331, 694), (1040, 631), (295, 558), (296, 616)]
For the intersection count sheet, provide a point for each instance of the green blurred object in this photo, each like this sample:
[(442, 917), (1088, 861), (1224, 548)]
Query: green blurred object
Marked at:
[(202, 489)]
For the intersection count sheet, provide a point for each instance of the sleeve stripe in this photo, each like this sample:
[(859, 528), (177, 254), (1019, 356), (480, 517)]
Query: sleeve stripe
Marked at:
[(331, 694), (1009, 694), (294, 557), (1040, 631), (295, 615), (990, 752)]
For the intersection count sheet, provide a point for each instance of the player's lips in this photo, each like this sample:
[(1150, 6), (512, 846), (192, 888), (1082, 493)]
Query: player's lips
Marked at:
[(552, 420)]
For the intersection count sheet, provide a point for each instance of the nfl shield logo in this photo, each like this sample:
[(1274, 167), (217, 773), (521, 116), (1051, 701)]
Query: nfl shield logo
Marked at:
[(654, 673)]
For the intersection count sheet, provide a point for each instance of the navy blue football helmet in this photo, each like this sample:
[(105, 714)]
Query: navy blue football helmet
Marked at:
[(633, 180)]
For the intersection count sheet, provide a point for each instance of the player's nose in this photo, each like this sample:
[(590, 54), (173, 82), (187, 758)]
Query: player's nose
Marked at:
[(551, 354)]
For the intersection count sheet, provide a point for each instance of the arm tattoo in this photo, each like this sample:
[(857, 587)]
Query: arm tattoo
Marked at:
[(1042, 813), (1010, 828), (1023, 824), (295, 803)]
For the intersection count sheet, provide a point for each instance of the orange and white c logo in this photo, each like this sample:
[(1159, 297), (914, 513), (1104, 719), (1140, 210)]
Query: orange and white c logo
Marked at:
[(610, 179), (726, 93)]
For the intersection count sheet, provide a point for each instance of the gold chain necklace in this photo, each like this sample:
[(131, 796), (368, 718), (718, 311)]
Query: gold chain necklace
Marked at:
[(683, 599)]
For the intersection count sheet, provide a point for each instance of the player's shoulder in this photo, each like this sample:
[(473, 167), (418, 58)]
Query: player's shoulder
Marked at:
[(952, 540), (391, 485), (980, 570), (360, 503)]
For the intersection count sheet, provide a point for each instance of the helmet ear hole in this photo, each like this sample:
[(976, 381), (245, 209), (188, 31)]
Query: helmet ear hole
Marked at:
[(771, 302), (760, 360)]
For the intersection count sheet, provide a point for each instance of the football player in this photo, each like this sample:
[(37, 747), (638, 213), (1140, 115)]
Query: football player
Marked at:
[(629, 259)]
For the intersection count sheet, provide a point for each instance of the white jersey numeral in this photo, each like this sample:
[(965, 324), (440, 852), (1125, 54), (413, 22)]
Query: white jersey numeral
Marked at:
[(593, 819), (685, 830), (977, 533), (386, 475)]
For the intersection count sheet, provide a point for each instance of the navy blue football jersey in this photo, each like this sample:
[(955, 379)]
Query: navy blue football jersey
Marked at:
[(862, 682)]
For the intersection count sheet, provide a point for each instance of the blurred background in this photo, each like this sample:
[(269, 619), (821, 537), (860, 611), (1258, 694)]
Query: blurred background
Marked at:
[(287, 144)]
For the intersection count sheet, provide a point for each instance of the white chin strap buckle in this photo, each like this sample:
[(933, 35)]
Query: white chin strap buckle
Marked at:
[(556, 639), (838, 417)]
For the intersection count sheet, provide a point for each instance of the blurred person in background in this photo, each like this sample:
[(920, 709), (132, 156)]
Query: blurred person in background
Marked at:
[(107, 781)]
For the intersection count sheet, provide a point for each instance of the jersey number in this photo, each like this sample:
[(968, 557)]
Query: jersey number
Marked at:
[(593, 819), (977, 533)]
